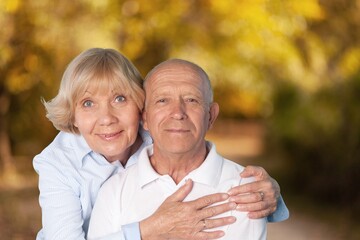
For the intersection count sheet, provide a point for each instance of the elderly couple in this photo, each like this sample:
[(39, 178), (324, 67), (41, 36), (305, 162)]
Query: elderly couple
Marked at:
[(139, 166)]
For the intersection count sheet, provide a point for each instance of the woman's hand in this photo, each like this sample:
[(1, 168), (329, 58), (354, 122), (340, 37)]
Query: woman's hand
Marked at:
[(176, 219), (260, 197)]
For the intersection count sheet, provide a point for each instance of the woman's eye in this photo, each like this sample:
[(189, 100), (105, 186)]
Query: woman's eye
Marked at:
[(87, 103), (120, 98)]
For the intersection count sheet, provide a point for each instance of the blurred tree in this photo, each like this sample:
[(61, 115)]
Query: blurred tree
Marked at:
[(17, 63), (29, 56), (319, 130)]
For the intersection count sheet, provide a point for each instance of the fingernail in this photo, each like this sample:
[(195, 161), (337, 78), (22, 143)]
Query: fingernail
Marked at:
[(232, 219), (225, 196)]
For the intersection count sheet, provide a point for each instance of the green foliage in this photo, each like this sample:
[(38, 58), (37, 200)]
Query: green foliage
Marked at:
[(319, 136)]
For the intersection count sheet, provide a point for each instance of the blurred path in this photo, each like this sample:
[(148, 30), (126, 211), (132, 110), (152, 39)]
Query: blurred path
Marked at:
[(302, 227), (244, 143)]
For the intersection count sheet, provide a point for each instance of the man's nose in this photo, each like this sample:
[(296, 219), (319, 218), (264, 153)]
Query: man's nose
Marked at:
[(179, 110)]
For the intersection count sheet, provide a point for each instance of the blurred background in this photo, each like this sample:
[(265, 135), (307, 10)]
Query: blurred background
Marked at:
[(285, 73)]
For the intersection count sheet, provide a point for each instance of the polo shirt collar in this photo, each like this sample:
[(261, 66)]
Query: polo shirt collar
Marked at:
[(209, 172), (147, 174), (212, 167)]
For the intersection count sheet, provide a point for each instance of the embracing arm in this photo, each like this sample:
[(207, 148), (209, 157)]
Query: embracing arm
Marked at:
[(61, 207), (262, 198)]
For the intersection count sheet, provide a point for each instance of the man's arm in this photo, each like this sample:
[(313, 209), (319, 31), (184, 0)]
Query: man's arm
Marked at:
[(175, 219), (260, 198)]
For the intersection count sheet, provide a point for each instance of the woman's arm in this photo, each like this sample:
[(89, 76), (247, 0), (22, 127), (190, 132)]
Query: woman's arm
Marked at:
[(62, 216), (60, 204), (176, 219)]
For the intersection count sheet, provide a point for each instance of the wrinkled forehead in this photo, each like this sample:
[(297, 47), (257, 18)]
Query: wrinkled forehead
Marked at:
[(175, 73)]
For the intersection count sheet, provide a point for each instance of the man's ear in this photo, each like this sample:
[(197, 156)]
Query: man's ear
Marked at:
[(214, 112), (143, 116)]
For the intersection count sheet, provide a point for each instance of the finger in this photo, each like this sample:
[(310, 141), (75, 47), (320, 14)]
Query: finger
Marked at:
[(216, 210), (247, 198), (246, 188), (219, 222), (201, 225), (209, 235), (260, 214), (252, 207), (208, 200), (181, 193), (253, 171)]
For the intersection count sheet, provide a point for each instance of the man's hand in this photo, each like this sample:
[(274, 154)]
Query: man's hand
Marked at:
[(175, 219), (259, 198)]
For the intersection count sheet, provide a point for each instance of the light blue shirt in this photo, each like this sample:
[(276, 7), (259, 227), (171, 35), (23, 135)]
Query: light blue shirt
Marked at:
[(70, 176)]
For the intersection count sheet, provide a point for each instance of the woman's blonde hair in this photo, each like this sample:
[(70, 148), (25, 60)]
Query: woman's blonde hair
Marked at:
[(98, 68)]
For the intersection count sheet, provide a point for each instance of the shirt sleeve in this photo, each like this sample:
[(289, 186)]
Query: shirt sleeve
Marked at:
[(61, 208), (281, 213), (131, 231), (60, 205)]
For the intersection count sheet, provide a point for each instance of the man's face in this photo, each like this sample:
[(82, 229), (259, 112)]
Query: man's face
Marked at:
[(177, 110)]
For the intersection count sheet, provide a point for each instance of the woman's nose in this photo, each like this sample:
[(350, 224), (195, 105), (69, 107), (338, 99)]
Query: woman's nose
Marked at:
[(107, 115)]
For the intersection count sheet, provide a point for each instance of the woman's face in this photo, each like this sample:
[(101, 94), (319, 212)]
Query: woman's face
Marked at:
[(109, 121)]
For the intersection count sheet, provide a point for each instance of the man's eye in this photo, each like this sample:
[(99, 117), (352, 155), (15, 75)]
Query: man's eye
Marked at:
[(120, 98), (88, 103), (192, 100), (162, 100)]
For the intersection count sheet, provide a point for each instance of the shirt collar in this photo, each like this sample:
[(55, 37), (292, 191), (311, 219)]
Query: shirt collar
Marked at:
[(147, 173), (78, 144), (207, 173)]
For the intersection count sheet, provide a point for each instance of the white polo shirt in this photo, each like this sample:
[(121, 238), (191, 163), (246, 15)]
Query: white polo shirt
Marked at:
[(137, 193)]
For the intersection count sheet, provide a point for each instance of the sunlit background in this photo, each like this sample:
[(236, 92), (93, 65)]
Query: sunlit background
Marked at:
[(285, 72)]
